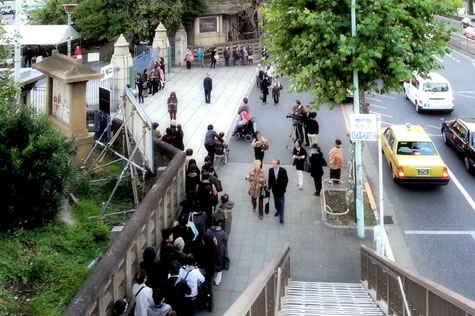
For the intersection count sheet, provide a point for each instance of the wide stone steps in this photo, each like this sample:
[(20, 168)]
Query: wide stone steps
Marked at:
[(328, 299)]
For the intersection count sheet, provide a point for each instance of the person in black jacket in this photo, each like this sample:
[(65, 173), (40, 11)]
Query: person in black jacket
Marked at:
[(178, 139), (317, 162), (151, 267), (208, 86), (166, 254), (277, 184), (265, 89), (139, 85), (299, 154), (176, 289), (312, 128)]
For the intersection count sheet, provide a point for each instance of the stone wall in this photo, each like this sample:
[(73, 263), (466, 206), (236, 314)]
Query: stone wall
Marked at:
[(112, 278)]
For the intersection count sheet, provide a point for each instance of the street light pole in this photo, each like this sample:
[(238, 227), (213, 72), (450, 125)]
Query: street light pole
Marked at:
[(69, 8), (17, 60), (356, 110)]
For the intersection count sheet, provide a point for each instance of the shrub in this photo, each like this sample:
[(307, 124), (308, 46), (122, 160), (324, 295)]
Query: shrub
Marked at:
[(35, 168)]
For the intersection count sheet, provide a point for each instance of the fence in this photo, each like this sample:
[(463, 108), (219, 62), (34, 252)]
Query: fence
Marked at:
[(92, 90), (463, 43), (263, 296), (390, 285), (112, 278), (38, 98)]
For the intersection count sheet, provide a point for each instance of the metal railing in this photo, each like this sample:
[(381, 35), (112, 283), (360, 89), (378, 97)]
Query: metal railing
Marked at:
[(112, 278), (92, 90), (463, 43), (38, 98), (264, 295), (388, 284)]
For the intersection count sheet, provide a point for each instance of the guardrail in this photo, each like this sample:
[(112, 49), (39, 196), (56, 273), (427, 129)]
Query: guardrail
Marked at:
[(263, 296), (462, 43), (382, 278), (112, 277)]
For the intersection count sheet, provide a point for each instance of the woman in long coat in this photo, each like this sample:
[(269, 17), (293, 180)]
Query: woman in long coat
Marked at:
[(172, 105), (257, 180), (317, 162)]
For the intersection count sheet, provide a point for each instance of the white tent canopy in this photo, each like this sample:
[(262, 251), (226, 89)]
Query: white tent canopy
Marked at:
[(43, 34)]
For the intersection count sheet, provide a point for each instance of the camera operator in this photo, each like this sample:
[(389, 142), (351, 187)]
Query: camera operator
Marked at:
[(298, 111)]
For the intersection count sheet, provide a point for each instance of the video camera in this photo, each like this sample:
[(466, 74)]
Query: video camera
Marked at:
[(295, 117)]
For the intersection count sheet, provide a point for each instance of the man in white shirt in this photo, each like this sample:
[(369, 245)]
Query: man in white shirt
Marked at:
[(192, 275), (143, 294)]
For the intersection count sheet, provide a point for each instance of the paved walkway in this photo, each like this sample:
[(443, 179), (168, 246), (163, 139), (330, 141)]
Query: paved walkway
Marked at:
[(318, 252)]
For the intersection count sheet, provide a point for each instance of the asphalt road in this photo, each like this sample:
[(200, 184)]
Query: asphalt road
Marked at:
[(439, 222)]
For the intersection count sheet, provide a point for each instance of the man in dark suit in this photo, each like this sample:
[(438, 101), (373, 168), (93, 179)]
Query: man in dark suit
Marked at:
[(208, 85), (277, 185)]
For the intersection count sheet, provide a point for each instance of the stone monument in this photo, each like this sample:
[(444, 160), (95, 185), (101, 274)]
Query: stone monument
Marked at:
[(66, 80), (181, 44), (121, 62), (161, 43)]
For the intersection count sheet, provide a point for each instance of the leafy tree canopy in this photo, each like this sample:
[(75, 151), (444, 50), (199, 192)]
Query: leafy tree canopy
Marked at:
[(310, 40), (98, 20)]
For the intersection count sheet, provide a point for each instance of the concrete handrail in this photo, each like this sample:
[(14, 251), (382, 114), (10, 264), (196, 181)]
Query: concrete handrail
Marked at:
[(424, 297), (112, 277), (260, 295)]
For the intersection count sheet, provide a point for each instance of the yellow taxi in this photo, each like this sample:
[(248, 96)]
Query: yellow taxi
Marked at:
[(412, 156)]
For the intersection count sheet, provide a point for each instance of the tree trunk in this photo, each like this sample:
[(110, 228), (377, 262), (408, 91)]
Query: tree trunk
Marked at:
[(364, 107)]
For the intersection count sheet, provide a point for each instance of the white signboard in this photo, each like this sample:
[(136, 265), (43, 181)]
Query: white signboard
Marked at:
[(363, 127), (107, 71), (92, 57), (61, 101)]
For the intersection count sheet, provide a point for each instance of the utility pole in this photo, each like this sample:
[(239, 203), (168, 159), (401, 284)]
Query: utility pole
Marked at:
[(356, 110)]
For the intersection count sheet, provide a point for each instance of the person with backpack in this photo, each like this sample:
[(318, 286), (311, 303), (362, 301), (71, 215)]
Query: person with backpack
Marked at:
[(192, 275), (222, 242), (224, 213), (207, 196), (260, 145), (175, 289), (142, 294), (257, 180), (159, 308)]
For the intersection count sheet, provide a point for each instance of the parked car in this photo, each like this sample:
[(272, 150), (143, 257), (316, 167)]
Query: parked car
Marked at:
[(469, 32), (412, 156), (466, 22), (460, 135), (433, 93)]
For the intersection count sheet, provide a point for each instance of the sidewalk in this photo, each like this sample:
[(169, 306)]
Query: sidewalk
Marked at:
[(230, 85), (318, 252)]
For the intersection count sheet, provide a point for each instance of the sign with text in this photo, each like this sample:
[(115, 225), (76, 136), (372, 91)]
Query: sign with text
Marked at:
[(363, 127)]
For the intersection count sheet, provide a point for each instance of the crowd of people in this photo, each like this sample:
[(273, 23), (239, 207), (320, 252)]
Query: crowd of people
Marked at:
[(151, 80)]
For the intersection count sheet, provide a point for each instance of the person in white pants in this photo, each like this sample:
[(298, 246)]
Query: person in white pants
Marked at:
[(299, 154)]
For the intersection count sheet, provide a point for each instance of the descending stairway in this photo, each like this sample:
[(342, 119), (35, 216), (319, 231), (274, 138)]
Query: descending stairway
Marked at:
[(328, 299)]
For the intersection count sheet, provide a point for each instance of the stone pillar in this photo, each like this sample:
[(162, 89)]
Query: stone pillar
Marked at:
[(121, 62), (160, 43), (181, 44)]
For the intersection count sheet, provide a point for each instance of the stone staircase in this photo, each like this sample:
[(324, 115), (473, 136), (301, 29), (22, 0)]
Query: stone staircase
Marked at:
[(328, 299)]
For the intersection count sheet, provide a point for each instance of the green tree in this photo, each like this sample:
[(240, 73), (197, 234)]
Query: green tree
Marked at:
[(311, 43), (51, 13), (191, 10), (35, 159)]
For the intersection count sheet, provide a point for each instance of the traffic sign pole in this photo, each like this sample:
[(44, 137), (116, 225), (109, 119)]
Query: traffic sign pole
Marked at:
[(381, 204)]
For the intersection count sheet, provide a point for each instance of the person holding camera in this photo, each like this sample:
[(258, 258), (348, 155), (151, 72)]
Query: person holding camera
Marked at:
[(298, 112)]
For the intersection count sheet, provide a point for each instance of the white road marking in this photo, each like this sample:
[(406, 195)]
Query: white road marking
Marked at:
[(440, 60), (374, 99), (465, 96), (440, 232), (378, 106), (386, 115), (435, 135), (386, 123), (432, 126), (469, 92), (462, 189)]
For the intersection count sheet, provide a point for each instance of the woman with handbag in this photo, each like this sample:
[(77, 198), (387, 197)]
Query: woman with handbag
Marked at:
[(192, 275), (299, 154), (257, 180), (221, 240), (260, 145)]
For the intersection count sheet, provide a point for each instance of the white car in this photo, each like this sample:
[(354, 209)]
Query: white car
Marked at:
[(431, 94)]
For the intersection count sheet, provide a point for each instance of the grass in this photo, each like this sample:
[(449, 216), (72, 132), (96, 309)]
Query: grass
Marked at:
[(42, 269), (337, 202)]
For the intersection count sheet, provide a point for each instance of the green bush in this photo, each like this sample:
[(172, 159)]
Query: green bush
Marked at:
[(36, 166)]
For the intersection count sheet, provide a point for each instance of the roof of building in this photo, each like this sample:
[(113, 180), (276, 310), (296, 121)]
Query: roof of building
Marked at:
[(66, 69), (43, 34)]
